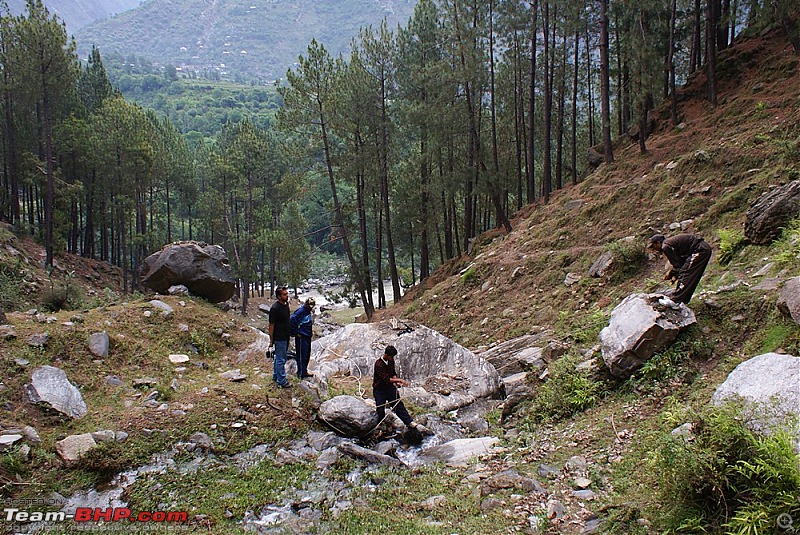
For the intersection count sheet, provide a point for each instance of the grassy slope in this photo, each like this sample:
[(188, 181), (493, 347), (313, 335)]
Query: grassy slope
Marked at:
[(750, 141)]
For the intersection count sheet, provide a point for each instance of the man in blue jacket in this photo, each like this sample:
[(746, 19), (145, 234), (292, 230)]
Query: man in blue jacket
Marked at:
[(301, 327)]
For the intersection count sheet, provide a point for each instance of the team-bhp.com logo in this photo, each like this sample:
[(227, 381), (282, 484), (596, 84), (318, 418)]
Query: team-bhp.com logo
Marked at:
[(94, 514)]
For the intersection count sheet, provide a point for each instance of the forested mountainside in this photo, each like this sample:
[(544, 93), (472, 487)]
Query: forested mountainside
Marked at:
[(79, 13), (238, 39)]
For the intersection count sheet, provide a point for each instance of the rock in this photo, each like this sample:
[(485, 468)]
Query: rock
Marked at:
[(425, 357), (771, 212), (584, 494), (571, 278), (555, 509), (7, 332), (113, 380), (98, 344), (601, 265), (257, 349), (789, 299), (582, 482), (72, 448), (38, 339), (178, 358), (263, 307), (8, 441), (202, 441), (21, 362), (764, 270), (545, 470), (573, 204), (638, 328), (202, 268), (178, 289), (768, 384), (349, 416), (121, 436), (370, 456), (165, 309), (106, 435), (145, 381), (594, 157), (323, 440), (433, 502), (31, 434), (460, 451), (50, 386), (490, 504), (234, 376), (523, 354), (510, 479)]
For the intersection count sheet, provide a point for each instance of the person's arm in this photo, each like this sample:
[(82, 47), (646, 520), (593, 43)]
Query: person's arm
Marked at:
[(398, 382), (674, 260)]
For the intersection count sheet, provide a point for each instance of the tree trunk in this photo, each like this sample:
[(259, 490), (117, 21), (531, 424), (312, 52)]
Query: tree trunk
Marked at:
[(532, 109), (605, 111), (547, 101), (575, 110), (711, 50)]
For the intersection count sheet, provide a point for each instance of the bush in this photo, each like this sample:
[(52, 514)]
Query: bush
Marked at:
[(470, 275), (565, 393), (726, 477), (788, 246), (629, 258), (730, 241), (11, 282)]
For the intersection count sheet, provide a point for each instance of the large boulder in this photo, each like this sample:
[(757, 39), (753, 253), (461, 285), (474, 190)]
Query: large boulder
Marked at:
[(348, 416), (789, 299), (444, 375), (50, 386), (639, 327), (529, 352), (769, 384), (459, 452), (771, 212), (202, 268)]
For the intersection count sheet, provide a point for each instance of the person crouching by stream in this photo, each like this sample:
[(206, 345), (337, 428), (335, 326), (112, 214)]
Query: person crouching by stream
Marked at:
[(384, 390)]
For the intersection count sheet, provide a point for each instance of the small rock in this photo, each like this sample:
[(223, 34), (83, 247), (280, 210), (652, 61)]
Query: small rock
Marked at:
[(183, 328), (7, 332), (8, 441), (584, 494), (555, 509), (165, 309), (491, 503), (106, 435), (38, 339), (121, 436), (571, 279), (22, 362), (582, 482), (113, 380), (31, 434), (178, 289), (145, 381), (98, 344), (178, 358), (234, 376), (175, 385)]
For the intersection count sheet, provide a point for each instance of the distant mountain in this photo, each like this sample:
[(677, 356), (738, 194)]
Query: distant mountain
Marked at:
[(79, 13), (237, 38)]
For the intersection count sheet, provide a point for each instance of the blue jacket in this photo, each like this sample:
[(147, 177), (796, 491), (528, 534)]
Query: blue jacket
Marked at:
[(301, 322)]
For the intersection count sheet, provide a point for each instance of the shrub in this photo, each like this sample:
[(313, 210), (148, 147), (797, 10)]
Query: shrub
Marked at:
[(629, 258), (730, 241), (726, 477), (470, 275), (11, 281), (565, 393), (788, 246)]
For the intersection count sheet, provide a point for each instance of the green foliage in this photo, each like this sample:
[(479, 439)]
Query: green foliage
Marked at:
[(730, 241), (63, 295), (674, 363), (469, 276), (629, 259), (788, 246), (565, 393), (583, 328), (11, 284), (725, 476)]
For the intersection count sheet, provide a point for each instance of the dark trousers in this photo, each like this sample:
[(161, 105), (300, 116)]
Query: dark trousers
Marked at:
[(690, 273), (391, 399), (302, 347)]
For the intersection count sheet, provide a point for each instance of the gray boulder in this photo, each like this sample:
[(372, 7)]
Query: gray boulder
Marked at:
[(98, 344), (789, 299), (639, 327), (459, 452), (770, 386), (74, 447), (367, 455), (202, 268), (601, 265), (50, 386), (444, 375), (771, 212), (349, 416)]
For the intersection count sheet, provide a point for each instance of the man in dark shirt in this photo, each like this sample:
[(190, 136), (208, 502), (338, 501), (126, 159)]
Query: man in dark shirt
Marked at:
[(279, 335), (689, 256), (384, 389)]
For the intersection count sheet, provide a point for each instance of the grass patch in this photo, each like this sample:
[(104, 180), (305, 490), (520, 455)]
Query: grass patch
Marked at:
[(629, 259), (724, 478), (788, 246), (730, 242)]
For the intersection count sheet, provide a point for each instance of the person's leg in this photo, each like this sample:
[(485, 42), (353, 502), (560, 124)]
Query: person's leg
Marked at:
[(689, 277), (398, 408), (304, 356), (380, 404), (298, 356), (279, 365)]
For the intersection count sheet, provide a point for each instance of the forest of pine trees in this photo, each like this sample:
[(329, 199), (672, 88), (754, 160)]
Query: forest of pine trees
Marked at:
[(424, 137)]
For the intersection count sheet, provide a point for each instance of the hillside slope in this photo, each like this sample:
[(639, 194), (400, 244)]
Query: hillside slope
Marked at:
[(249, 39), (704, 173)]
